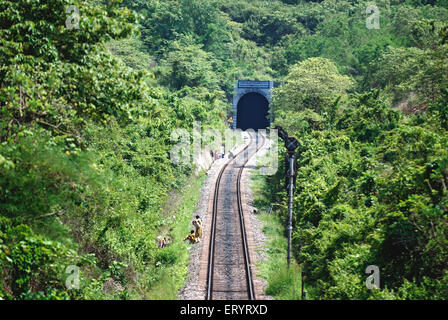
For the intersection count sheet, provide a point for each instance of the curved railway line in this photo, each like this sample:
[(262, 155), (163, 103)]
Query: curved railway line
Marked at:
[(229, 274)]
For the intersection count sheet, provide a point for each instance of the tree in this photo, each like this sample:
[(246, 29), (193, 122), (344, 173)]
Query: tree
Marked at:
[(167, 21), (188, 65), (312, 84), (58, 77)]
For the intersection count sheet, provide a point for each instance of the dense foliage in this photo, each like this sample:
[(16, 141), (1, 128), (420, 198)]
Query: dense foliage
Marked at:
[(84, 156), (86, 115), (372, 179)]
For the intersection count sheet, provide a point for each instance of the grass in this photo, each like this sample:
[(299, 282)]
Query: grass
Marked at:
[(172, 276), (283, 283)]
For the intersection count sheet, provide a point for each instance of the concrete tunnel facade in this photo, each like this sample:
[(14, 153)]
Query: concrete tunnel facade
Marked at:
[(252, 105)]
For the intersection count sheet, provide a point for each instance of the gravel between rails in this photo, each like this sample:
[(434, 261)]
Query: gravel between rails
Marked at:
[(192, 290)]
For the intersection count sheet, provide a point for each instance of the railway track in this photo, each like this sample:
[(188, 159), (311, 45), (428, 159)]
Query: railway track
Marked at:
[(229, 274)]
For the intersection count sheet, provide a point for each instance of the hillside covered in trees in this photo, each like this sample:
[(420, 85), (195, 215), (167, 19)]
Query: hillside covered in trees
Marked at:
[(86, 116)]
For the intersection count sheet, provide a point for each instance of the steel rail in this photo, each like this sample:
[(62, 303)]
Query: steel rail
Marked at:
[(251, 294), (250, 285)]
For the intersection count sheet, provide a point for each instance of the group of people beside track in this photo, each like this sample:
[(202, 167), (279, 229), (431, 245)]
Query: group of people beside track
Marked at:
[(196, 234)]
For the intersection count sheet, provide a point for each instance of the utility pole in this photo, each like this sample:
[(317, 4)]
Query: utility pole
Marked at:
[(303, 293), (291, 173), (291, 144)]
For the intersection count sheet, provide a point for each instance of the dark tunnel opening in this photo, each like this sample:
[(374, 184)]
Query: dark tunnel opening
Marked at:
[(252, 112)]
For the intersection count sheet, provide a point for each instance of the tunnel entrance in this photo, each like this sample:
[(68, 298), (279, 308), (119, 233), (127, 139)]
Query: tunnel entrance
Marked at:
[(252, 112)]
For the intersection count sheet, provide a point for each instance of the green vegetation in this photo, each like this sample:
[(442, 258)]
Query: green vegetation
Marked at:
[(84, 158), (173, 260), (86, 116), (283, 283), (369, 110), (371, 184)]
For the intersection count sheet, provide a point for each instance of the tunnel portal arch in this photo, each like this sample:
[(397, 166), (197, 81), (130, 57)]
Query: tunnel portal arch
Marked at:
[(252, 112), (252, 104)]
